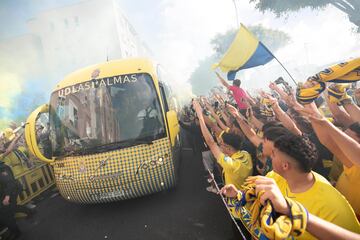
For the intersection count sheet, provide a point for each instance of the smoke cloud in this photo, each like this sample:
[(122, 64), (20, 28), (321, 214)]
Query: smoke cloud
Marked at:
[(41, 41)]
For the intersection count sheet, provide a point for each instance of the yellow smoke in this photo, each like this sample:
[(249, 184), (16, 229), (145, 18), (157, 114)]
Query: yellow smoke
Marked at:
[(10, 87)]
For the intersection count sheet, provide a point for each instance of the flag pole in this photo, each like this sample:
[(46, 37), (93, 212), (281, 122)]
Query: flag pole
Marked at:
[(281, 64), (286, 70), (237, 17)]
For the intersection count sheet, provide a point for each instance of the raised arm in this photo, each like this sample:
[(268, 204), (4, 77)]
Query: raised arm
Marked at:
[(277, 89), (338, 94), (254, 121), (11, 147), (251, 100), (223, 82), (215, 116), (214, 148), (324, 230), (226, 118), (353, 110), (247, 130), (338, 113), (283, 117), (219, 98), (289, 99), (343, 146), (212, 125)]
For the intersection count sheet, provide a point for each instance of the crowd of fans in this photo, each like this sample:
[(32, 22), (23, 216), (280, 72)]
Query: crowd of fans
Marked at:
[(14, 162), (287, 157)]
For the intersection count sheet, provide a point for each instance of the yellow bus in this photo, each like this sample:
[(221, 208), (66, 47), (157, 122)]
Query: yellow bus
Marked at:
[(112, 132)]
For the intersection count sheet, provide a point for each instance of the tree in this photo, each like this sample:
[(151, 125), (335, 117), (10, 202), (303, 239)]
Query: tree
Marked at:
[(203, 79), (283, 7)]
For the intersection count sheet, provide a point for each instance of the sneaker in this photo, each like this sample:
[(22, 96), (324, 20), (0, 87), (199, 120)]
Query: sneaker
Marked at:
[(211, 189)]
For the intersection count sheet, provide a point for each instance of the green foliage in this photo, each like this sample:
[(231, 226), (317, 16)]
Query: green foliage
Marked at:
[(203, 79), (272, 38), (280, 7), (284, 7)]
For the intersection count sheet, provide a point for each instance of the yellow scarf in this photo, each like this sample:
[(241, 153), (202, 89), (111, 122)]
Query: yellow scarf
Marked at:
[(337, 93), (307, 95), (264, 217), (345, 72)]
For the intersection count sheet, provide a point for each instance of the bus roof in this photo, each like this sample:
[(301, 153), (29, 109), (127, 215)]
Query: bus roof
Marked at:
[(107, 69)]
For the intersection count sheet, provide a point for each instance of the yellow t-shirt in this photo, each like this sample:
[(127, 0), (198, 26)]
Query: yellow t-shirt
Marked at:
[(14, 163), (347, 185), (321, 200), (236, 168)]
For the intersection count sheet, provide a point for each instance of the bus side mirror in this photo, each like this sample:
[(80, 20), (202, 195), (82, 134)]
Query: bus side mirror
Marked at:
[(174, 127), (30, 133)]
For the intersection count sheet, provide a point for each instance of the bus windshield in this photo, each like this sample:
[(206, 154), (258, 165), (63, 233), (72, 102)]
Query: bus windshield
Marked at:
[(103, 114)]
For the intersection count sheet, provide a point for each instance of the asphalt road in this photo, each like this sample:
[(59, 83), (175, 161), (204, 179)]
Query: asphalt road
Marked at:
[(187, 212)]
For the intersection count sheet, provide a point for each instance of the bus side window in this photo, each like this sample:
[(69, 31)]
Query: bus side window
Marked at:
[(163, 97), (170, 98), (166, 90)]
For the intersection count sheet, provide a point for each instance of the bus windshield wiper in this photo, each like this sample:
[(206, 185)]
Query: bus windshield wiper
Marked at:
[(115, 145)]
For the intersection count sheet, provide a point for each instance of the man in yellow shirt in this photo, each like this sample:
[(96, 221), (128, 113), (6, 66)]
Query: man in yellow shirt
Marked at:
[(293, 158), (236, 164), (345, 185), (350, 177)]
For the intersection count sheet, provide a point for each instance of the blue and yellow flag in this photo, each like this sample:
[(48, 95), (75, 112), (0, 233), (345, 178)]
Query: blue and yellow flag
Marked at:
[(246, 51)]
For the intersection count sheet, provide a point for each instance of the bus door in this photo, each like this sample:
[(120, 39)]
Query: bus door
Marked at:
[(172, 123)]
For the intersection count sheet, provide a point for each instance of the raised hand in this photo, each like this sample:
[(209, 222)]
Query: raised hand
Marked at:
[(197, 106), (272, 86), (311, 114), (233, 111)]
